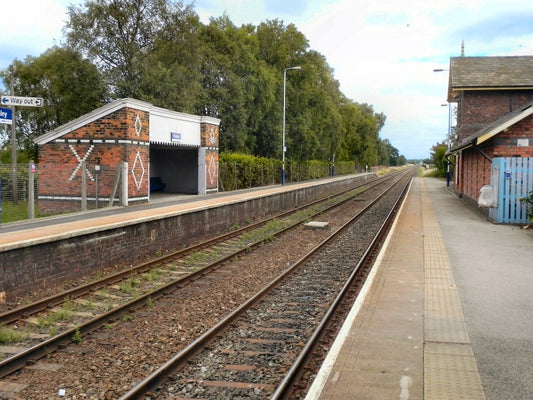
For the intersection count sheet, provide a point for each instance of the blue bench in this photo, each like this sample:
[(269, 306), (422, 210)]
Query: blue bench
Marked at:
[(156, 184)]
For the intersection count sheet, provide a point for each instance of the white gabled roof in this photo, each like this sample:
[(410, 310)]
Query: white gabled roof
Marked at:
[(112, 107), (92, 116), (513, 119)]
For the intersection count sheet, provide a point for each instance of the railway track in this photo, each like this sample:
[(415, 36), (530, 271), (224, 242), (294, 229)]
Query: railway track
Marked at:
[(66, 312), (258, 350), (202, 280)]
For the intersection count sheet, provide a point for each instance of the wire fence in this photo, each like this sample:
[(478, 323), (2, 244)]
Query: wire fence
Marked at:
[(18, 185), (27, 192)]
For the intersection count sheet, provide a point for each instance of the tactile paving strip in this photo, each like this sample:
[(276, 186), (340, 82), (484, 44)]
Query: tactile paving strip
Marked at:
[(450, 369)]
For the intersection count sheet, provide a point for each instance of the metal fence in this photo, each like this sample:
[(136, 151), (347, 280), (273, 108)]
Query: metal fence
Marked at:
[(18, 188), (20, 194)]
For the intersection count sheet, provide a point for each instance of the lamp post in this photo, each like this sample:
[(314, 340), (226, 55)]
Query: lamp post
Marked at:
[(283, 125), (448, 136), (448, 139)]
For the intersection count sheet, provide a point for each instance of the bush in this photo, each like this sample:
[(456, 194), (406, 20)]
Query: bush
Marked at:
[(240, 171)]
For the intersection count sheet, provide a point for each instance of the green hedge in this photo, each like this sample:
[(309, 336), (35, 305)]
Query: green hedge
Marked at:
[(240, 171)]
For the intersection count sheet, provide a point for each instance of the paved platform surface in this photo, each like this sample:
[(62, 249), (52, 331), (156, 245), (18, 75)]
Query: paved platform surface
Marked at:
[(446, 313)]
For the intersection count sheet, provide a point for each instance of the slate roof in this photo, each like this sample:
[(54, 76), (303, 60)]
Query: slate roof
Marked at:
[(490, 73)]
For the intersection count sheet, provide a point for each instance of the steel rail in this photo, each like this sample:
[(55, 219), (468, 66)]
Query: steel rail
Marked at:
[(159, 376), (283, 389), (32, 354), (55, 300)]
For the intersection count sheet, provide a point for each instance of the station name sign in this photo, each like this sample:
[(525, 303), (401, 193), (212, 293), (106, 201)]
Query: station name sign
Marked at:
[(6, 116), (21, 101)]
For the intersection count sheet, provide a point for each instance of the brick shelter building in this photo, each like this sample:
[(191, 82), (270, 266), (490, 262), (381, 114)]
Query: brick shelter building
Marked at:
[(124, 151), (494, 97)]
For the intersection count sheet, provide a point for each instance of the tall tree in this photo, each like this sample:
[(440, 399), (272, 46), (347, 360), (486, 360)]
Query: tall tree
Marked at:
[(351, 147), (160, 52), (317, 132), (280, 46), (69, 85), (120, 36), (388, 153), (171, 73), (438, 158), (224, 75)]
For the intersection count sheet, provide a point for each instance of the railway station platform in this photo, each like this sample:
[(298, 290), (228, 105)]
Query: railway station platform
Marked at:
[(35, 231), (446, 313)]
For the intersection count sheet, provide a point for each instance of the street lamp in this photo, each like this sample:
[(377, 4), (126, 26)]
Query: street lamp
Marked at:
[(448, 140), (283, 129)]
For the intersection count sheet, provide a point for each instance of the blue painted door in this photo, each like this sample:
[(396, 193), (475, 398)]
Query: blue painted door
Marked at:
[(512, 178)]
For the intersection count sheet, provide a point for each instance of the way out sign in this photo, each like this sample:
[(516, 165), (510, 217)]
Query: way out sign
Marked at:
[(6, 116), (21, 101)]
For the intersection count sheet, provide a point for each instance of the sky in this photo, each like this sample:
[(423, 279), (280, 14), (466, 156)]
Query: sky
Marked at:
[(383, 53)]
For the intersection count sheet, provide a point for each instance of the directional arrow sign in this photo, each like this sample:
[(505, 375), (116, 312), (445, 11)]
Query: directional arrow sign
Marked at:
[(6, 116), (21, 101)]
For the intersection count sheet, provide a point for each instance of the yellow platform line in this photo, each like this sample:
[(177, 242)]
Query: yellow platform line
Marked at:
[(450, 369)]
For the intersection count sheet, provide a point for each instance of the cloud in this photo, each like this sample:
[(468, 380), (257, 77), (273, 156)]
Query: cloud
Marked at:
[(29, 27), (497, 31), (286, 7), (382, 52)]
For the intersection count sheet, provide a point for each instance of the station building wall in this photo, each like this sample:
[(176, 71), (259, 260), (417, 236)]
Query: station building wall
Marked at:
[(477, 109), (473, 169)]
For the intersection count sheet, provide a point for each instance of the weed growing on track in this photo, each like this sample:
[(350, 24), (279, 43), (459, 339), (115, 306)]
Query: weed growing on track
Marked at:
[(77, 337), (51, 319), (152, 275), (131, 285), (10, 335)]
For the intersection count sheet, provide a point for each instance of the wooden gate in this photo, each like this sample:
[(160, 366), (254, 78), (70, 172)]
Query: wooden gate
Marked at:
[(512, 178)]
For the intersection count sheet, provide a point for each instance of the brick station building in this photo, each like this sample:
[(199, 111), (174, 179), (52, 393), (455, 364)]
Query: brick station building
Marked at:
[(124, 151), (494, 97)]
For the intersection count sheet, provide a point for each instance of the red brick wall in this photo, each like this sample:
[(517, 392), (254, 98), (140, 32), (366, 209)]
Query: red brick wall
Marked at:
[(107, 141), (505, 143), (475, 168), (476, 109), (475, 173), (209, 135), (209, 138), (211, 163)]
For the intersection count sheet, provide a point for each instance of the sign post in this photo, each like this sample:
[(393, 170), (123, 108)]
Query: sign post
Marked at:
[(14, 101)]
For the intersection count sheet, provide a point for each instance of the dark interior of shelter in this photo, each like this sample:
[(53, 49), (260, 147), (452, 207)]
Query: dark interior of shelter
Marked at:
[(173, 169)]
